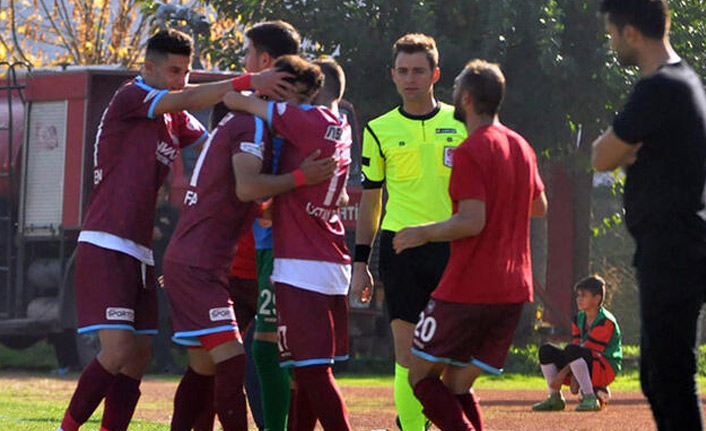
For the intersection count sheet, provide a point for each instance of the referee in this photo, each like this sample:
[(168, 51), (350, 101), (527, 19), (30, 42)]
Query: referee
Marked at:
[(410, 151)]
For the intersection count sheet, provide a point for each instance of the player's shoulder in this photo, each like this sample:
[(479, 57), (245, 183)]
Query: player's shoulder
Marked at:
[(609, 316), (388, 118)]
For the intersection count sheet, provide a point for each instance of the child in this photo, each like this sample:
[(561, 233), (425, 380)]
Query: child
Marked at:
[(591, 360)]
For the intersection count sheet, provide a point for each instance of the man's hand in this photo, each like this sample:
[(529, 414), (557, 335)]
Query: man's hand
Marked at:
[(160, 281), (409, 237), (318, 171), (362, 283), (271, 83)]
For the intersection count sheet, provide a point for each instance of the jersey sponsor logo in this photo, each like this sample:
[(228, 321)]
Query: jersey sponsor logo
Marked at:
[(325, 214), (253, 148), (221, 313), (440, 131), (281, 108), (334, 133), (191, 198), (449, 156), (166, 153), (117, 313)]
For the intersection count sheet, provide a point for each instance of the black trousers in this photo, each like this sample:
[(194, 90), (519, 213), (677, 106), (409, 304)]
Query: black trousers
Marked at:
[(672, 290), (552, 354)]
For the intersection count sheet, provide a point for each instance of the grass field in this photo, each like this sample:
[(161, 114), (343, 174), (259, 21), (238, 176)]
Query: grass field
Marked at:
[(33, 398)]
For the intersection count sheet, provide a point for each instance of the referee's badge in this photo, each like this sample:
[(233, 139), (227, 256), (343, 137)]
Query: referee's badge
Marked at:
[(449, 156)]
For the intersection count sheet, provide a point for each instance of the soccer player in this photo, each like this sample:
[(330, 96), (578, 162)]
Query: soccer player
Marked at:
[(139, 136), (266, 42), (312, 265), (217, 210), (409, 150), (660, 139), (468, 324)]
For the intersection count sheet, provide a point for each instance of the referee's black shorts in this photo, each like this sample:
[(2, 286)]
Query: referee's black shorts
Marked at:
[(410, 277)]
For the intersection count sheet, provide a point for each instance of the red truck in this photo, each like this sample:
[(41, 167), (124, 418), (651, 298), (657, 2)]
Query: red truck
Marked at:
[(48, 122)]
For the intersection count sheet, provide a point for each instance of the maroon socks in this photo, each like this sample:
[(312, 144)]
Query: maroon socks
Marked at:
[(301, 415), (230, 398), (193, 396), (120, 403), (441, 406), (93, 385), (471, 408), (317, 384)]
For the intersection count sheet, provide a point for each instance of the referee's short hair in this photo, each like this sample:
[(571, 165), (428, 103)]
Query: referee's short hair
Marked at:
[(593, 284), (417, 42)]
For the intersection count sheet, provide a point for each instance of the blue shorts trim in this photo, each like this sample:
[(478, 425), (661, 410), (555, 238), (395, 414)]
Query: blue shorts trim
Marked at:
[(307, 362), (487, 368), (191, 338), (449, 361), (93, 329)]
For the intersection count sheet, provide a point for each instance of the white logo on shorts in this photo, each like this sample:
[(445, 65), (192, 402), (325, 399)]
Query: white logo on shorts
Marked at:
[(116, 313), (222, 313)]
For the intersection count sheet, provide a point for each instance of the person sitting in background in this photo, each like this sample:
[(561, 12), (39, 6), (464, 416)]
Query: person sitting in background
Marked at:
[(592, 359)]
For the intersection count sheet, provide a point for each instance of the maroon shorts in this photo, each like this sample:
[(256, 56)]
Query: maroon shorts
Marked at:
[(244, 293), (114, 291), (200, 302), (464, 334), (312, 328)]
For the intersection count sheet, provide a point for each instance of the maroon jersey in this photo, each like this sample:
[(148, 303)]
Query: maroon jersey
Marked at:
[(306, 221), (212, 217), (133, 152), (497, 166)]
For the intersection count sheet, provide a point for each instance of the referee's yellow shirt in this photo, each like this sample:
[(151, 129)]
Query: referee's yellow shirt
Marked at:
[(412, 155)]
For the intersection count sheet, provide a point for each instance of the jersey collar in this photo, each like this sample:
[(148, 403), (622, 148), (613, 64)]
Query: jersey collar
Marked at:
[(429, 115)]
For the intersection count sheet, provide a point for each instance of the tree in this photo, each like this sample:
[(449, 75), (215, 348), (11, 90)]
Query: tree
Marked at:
[(48, 32)]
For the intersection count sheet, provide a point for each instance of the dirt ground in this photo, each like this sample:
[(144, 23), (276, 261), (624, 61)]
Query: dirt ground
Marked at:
[(372, 408)]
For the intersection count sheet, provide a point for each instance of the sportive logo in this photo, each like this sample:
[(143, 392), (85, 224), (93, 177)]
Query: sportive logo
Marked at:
[(439, 131), (117, 313), (281, 108), (221, 313), (191, 198)]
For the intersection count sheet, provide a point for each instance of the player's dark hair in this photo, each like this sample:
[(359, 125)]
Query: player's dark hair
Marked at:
[(334, 79), (593, 284), (168, 42), (649, 17), (303, 71), (417, 42), (486, 84), (276, 38)]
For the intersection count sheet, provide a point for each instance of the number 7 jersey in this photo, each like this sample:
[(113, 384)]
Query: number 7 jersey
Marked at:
[(307, 221)]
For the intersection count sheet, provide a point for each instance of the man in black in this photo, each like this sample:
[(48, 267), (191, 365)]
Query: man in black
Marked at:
[(660, 139)]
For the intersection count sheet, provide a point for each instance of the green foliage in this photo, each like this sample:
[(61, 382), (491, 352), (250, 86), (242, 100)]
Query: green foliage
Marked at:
[(522, 360)]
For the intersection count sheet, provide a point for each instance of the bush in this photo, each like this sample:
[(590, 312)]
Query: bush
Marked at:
[(522, 360)]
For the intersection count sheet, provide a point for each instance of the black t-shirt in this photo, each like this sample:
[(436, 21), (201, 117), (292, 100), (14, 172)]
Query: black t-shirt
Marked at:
[(664, 188)]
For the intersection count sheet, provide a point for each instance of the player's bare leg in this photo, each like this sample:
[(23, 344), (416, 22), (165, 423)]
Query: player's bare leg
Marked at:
[(441, 405), (408, 407)]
